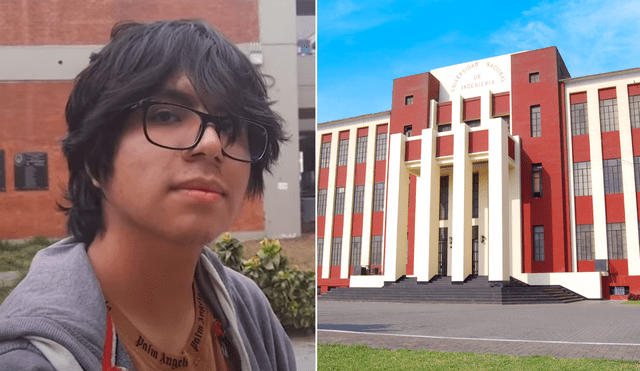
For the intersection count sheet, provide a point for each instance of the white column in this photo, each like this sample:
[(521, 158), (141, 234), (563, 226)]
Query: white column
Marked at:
[(331, 192), (498, 202), (348, 204), (425, 251), (395, 261), (461, 218), (368, 195), (515, 212), (597, 175), (628, 181)]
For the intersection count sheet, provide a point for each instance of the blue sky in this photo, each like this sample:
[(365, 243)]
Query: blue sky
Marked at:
[(364, 45)]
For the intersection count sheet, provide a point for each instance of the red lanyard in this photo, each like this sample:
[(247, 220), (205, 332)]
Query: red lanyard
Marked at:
[(109, 354)]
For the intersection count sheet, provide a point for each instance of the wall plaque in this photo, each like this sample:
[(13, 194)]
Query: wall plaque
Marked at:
[(31, 171), (2, 176)]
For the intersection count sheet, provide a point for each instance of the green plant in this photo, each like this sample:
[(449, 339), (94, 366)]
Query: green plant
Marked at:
[(230, 252), (290, 291)]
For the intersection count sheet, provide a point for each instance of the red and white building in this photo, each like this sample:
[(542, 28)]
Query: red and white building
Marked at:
[(504, 167)]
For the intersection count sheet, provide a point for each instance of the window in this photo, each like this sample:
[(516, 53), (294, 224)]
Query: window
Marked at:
[(376, 250), (408, 100), (475, 194), (473, 123), (408, 130), (356, 247), (538, 243), (609, 115), (444, 127), (378, 197), (535, 121), (339, 204), (636, 169), (534, 77), (582, 178), (358, 199), (536, 180), (616, 241), (336, 251), (579, 119), (381, 146), (612, 176), (361, 150), (618, 290), (444, 197), (320, 246), (325, 152), (634, 111), (585, 242), (343, 151), (322, 202), (508, 120)]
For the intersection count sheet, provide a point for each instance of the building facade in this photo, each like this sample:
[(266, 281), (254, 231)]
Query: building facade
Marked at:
[(504, 167), (45, 44)]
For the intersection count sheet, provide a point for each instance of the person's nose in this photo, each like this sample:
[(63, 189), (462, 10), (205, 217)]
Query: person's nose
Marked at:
[(209, 144)]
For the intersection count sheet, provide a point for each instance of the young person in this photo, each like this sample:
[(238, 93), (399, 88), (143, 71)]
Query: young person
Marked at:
[(169, 130)]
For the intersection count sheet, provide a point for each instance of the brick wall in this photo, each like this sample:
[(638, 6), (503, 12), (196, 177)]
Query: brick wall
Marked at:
[(79, 22)]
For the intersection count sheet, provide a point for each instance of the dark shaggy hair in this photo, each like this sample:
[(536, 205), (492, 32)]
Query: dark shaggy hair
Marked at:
[(134, 65)]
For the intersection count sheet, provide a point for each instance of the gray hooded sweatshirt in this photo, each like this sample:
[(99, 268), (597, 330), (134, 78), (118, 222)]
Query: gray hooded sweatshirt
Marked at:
[(55, 319)]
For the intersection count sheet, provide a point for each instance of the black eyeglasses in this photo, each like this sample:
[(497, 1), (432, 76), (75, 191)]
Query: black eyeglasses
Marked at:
[(172, 126)]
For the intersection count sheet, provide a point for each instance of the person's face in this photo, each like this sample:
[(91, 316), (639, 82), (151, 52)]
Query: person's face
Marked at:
[(186, 196)]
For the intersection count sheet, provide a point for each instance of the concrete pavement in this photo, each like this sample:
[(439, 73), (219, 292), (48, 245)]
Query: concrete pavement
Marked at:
[(594, 329)]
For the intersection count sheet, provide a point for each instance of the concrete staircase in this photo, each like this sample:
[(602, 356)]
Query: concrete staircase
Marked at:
[(440, 289)]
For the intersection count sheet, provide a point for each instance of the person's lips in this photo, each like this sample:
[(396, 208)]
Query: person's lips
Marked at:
[(200, 190)]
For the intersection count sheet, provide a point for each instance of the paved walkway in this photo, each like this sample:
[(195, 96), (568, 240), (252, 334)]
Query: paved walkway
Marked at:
[(304, 347), (593, 329)]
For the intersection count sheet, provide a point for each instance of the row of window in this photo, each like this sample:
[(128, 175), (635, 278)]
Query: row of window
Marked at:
[(361, 150), (585, 243), (612, 169), (608, 115), (358, 200), (616, 241), (375, 256)]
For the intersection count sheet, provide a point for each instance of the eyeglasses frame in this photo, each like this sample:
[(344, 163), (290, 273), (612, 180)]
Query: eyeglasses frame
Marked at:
[(205, 121)]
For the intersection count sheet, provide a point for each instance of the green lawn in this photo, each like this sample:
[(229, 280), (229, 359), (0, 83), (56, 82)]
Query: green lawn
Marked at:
[(359, 357), (633, 302)]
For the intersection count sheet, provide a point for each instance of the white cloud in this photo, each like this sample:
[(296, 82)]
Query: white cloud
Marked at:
[(592, 36)]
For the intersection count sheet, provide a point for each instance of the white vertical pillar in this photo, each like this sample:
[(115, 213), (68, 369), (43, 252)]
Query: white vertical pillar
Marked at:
[(368, 195), (395, 260), (515, 212), (425, 251), (628, 181), (348, 204), (331, 193), (597, 175), (499, 202), (461, 218)]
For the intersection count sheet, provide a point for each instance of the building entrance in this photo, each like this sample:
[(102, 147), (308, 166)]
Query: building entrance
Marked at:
[(474, 249), (442, 251)]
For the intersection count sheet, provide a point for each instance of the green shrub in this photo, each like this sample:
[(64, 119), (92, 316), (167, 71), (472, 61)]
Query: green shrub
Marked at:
[(230, 251), (290, 291)]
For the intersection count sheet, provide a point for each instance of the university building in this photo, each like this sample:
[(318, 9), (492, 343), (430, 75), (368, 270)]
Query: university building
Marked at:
[(505, 167)]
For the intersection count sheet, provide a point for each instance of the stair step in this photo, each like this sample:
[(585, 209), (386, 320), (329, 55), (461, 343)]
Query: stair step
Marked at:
[(475, 289)]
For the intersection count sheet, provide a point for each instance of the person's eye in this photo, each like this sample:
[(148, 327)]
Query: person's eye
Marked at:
[(164, 114)]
